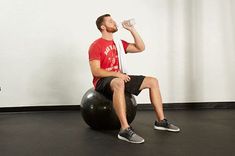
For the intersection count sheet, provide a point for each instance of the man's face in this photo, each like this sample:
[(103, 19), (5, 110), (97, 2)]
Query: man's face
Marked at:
[(110, 25)]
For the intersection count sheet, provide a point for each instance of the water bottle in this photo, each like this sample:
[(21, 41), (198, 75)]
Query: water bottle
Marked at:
[(129, 22)]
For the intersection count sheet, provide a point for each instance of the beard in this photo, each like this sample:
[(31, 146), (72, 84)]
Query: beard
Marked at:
[(111, 29)]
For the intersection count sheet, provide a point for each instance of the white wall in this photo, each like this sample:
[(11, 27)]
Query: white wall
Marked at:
[(190, 48)]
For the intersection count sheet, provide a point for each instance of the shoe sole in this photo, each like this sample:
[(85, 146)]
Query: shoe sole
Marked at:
[(166, 129), (125, 139)]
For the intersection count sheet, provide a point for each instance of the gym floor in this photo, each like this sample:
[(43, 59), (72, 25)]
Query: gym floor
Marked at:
[(64, 133)]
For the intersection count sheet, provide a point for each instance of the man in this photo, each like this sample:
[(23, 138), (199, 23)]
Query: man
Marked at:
[(110, 81)]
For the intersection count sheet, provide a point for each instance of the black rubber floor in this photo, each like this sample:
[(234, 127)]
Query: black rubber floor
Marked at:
[(64, 133)]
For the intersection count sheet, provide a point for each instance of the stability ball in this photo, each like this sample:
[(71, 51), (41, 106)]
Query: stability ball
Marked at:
[(98, 112)]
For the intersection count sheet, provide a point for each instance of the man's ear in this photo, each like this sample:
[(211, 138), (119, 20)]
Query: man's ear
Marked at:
[(102, 27)]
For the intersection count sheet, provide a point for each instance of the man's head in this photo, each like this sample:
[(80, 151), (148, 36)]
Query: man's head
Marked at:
[(106, 23)]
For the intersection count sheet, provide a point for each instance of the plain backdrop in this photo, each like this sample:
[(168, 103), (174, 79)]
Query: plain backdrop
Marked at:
[(190, 48)]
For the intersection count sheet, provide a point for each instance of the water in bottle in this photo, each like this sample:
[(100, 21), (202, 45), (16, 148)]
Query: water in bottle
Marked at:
[(129, 22)]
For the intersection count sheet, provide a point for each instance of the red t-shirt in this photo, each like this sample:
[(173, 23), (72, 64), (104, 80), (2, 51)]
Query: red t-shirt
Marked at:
[(106, 52)]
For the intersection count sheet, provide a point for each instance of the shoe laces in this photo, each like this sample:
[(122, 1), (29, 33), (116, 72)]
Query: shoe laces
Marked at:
[(130, 131), (166, 122), (163, 122)]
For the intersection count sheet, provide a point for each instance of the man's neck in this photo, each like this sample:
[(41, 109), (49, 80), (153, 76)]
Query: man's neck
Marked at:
[(107, 36)]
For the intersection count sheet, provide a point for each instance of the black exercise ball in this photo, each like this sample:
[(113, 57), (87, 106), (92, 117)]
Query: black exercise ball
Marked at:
[(98, 112)]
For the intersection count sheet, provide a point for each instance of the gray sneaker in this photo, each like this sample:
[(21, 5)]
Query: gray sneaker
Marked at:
[(164, 125), (130, 136)]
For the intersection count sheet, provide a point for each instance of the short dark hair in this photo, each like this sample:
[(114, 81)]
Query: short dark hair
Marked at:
[(100, 20)]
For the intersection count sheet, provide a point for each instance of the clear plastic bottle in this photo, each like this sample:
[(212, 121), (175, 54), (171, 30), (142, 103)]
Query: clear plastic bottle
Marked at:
[(129, 22)]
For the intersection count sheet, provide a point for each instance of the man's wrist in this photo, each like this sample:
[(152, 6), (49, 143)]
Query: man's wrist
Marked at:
[(116, 74), (132, 29)]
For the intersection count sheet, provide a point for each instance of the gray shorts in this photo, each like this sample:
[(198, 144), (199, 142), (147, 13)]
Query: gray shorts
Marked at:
[(132, 86)]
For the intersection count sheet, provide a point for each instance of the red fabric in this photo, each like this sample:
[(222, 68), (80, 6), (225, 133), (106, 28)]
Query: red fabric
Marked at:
[(106, 52)]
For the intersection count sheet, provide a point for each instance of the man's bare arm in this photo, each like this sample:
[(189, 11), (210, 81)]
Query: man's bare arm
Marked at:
[(138, 45), (98, 72)]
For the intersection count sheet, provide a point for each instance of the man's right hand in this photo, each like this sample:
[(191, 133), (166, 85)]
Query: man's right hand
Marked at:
[(124, 77), (98, 72)]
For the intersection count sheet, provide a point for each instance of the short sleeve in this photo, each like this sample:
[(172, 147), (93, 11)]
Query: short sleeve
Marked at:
[(94, 52), (125, 45)]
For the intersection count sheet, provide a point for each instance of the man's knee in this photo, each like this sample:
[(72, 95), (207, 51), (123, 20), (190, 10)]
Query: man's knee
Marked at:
[(117, 84), (152, 82)]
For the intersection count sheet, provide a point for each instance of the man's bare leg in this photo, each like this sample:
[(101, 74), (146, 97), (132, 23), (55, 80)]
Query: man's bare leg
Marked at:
[(119, 103), (155, 96)]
